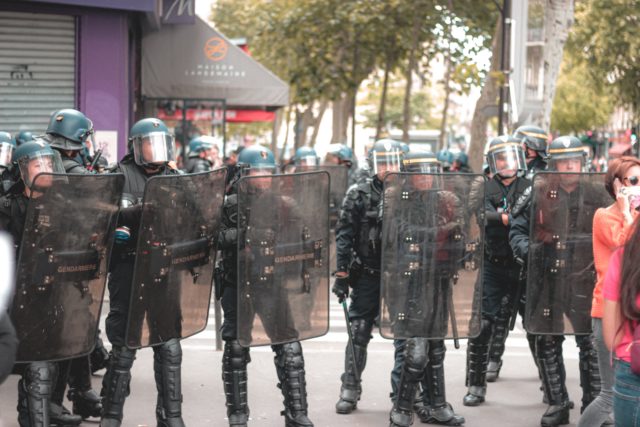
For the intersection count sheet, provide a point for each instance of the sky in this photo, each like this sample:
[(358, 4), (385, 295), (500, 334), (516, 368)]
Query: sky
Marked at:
[(203, 8)]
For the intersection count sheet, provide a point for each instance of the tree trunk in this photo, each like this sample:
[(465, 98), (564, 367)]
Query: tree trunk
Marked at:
[(383, 98), (303, 120), (558, 18), (287, 124), (341, 113), (317, 121), (277, 124), (447, 95), (406, 108), (488, 99)]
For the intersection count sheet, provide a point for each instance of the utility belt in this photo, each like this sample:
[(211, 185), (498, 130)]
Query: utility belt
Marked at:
[(506, 261), (369, 271)]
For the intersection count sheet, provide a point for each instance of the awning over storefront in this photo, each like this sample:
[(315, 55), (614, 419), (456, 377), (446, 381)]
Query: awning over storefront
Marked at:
[(197, 62), (232, 116), (619, 149)]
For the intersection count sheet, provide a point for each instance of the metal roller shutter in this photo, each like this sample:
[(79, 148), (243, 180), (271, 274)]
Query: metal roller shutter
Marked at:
[(37, 69)]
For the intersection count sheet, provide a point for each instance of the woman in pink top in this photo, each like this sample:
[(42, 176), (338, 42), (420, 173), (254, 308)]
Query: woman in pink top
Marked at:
[(621, 293), (612, 226)]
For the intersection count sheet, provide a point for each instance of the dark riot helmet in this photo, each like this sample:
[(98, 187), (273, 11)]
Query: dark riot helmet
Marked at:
[(7, 146), (342, 152), (533, 137), (566, 148), (69, 129), (421, 162), (24, 136), (305, 156), (152, 143), (505, 157), (386, 155), (256, 158), (36, 157)]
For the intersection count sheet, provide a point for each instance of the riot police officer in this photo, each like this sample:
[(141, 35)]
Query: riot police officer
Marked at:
[(151, 154), (565, 155), (255, 160), (23, 136), (501, 273), (358, 263), (203, 154), (35, 389), (534, 142), (305, 159), (67, 132), (420, 361), (461, 163), (341, 154), (7, 146)]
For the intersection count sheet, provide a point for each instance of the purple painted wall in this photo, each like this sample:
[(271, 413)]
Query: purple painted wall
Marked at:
[(103, 71)]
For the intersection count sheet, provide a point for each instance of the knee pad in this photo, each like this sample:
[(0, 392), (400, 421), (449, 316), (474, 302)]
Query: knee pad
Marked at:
[(170, 352), (236, 355), (416, 356), (361, 331), (289, 355)]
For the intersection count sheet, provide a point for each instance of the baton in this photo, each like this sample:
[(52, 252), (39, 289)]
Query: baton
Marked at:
[(452, 315), (351, 347), (94, 162)]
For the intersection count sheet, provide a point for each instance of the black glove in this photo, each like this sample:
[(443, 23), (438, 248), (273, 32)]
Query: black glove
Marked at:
[(341, 288)]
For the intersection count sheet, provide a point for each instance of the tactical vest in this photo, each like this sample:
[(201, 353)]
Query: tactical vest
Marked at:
[(502, 199), (71, 166), (368, 240)]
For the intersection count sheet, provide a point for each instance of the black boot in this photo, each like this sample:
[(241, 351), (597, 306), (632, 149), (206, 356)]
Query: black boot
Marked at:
[(477, 360), (289, 363), (115, 386), (234, 377), (34, 394), (86, 401), (61, 416), (498, 339), (413, 368), (436, 409), (589, 371), (99, 356), (551, 364), (167, 364), (351, 387)]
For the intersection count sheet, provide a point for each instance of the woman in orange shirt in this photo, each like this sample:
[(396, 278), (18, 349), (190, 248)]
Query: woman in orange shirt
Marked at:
[(612, 226)]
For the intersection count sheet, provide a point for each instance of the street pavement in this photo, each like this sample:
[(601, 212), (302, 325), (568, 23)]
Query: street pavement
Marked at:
[(514, 400)]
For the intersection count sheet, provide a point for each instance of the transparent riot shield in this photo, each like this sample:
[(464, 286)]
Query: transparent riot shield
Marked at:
[(62, 264), (175, 257), (283, 258), (339, 184), (561, 273), (432, 237)]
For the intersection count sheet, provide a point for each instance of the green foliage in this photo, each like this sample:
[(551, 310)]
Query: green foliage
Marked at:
[(605, 39), (577, 106)]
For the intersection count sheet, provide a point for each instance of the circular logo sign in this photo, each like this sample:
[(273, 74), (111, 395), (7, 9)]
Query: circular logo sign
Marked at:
[(215, 48)]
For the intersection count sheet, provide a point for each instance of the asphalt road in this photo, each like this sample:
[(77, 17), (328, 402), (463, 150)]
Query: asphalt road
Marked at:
[(514, 400)]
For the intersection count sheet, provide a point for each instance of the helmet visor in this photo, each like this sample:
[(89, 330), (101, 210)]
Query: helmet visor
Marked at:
[(387, 161), (38, 163), (6, 151), (506, 159), (307, 161), (156, 148), (422, 167)]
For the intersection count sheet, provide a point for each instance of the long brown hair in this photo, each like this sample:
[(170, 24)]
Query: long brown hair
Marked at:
[(630, 277)]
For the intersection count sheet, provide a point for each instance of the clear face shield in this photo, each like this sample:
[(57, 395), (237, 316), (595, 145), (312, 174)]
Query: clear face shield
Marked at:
[(156, 148), (307, 161), (506, 159), (262, 176), (427, 176), (39, 163), (386, 161), (6, 151)]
